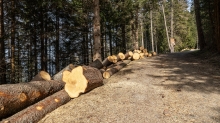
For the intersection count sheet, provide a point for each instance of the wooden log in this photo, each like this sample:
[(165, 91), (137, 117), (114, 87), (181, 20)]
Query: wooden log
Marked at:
[(128, 55), (15, 97), (36, 112), (107, 61), (59, 75), (109, 72), (42, 76), (114, 59), (141, 55), (154, 53), (146, 54), (136, 56), (96, 64), (141, 48), (120, 56), (149, 54), (144, 50), (81, 80)]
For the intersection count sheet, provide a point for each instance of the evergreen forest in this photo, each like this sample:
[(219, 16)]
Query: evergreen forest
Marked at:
[(48, 35)]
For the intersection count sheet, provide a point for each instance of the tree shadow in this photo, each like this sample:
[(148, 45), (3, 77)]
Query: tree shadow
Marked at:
[(188, 73)]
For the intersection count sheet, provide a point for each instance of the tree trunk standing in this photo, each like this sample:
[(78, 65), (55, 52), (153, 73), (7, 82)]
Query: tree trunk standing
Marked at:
[(35, 62), (12, 77), (43, 65), (96, 32), (57, 50), (202, 43), (123, 39), (110, 39), (171, 27), (165, 23), (171, 19), (217, 22), (2, 46), (151, 30)]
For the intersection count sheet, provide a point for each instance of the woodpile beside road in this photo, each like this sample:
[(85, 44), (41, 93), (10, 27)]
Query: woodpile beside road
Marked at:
[(30, 102)]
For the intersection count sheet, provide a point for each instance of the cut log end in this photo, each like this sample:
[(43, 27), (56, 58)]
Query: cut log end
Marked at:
[(65, 76), (76, 82), (106, 75), (45, 75)]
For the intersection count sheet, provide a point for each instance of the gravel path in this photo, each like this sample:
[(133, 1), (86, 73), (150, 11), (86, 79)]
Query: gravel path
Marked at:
[(169, 88)]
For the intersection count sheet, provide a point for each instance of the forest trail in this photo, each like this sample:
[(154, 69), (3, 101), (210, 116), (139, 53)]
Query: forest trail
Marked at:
[(169, 88)]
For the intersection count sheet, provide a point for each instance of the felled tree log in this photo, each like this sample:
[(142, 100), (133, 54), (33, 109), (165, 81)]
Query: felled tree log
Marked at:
[(141, 48), (141, 55), (136, 56), (114, 59), (109, 72), (128, 55), (81, 80), (96, 64), (120, 56), (154, 53), (15, 97), (149, 54), (42, 76), (107, 61), (59, 75), (36, 112)]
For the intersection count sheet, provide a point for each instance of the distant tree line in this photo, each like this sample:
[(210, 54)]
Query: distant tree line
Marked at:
[(48, 35)]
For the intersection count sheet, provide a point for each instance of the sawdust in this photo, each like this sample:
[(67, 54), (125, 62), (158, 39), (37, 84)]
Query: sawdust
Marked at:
[(169, 88)]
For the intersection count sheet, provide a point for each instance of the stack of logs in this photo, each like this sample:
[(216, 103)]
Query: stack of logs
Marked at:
[(30, 102)]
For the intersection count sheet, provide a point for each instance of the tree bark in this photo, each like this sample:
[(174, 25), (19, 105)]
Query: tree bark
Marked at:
[(2, 46), (202, 43), (96, 64), (15, 97), (96, 32), (12, 42), (59, 75), (114, 69), (36, 112), (217, 23), (107, 61), (128, 54)]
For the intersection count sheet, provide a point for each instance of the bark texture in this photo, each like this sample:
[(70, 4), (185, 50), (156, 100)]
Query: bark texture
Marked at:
[(36, 112), (59, 75), (15, 97)]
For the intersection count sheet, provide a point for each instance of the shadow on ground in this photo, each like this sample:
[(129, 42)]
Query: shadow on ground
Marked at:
[(190, 73)]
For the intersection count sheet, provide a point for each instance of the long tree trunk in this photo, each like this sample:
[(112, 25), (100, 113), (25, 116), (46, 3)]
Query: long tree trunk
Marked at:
[(151, 30), (2, 46), (12, 77), (165, 23), (57, 42), (202, 43), (43, 58), (96, 32), (217, 22), (171, 28)]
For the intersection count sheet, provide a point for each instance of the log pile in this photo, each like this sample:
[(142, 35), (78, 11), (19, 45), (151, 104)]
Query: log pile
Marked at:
[(33, 100)]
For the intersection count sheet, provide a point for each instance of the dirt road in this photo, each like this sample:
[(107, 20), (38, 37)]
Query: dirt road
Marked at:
[(169, 88)]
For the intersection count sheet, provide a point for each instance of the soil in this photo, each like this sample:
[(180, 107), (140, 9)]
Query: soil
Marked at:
[(169, 88)]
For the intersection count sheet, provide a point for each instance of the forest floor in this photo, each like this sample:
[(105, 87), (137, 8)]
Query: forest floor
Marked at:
[(169, 88)]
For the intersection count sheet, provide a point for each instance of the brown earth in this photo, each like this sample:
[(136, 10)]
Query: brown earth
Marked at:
[(169, 88)]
